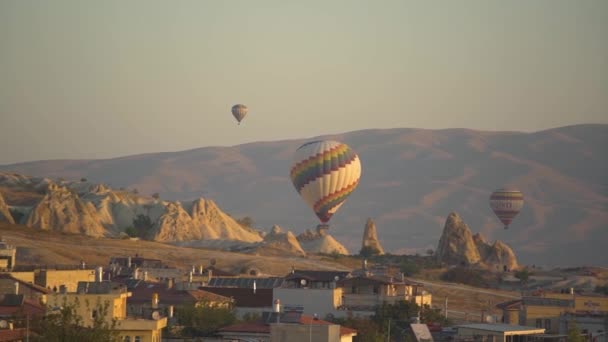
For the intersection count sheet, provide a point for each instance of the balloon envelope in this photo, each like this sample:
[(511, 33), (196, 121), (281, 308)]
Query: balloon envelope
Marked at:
[(325, 173), (506, 204), (239, 111)]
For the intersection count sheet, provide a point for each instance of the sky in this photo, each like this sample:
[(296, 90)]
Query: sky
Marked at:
[(88, 80)]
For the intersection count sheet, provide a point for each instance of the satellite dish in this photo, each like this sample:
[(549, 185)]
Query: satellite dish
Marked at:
[(303, 282), (155, 315), (3, 324)]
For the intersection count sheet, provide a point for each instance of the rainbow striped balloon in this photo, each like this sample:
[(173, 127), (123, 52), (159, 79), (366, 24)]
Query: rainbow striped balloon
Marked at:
[(325, 173), (506, 204)]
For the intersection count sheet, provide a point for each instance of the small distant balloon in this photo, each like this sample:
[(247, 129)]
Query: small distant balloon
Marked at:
[(239, 111), (506, 204), (325, 173)]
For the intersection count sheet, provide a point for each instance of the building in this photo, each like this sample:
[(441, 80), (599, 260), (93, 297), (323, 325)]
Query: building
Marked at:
[(89, 297), (16, 313), (287, 326), (12, 285), (148, 297), (7, 256), (311, 292), (545, 310), (55, 279), (496, 332), (247, 301), (142, 268), (593, 326), (365, 292)]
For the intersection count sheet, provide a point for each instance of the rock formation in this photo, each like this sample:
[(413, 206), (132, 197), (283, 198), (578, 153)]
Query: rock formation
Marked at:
[(282, 242), (62, 210), (215, 224), (320, 242), (370, 238), (5, 214), (98, 210), (457, 246)]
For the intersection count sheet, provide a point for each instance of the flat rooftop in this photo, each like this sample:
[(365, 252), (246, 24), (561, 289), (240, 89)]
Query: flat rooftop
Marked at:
[(504, 328)]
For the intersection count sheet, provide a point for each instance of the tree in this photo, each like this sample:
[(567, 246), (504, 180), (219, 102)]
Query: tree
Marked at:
[(523, 275), (246, 221), (409, 268), (574, 335), (65, 325), (203, 320), (142, 225), (156, 195), (368, 252)]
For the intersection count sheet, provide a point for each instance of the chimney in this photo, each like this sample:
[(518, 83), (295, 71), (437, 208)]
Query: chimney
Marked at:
[(364, 264), (136, 273), (200, 269), (155, 301), (98, 274), (129, 261), (277, 306), (145, 275), (254, 287), (209, 274), (170, 313), (169, 283), (16, 287), (190, 277), (83, 264)]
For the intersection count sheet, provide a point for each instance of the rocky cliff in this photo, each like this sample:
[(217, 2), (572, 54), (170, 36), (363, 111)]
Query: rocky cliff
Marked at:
[(370, 238), (457, 246), (320, 242), (5, 214)]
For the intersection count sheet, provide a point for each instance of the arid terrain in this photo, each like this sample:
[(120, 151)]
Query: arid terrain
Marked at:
[(411, 180)]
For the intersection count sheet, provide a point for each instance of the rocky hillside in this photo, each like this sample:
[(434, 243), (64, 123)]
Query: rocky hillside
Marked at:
[(412, 178), (458, 246), (97, 210)]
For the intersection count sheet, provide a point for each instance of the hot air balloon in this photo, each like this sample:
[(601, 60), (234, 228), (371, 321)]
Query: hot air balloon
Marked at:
[(325, 173), (506, 204), (239, 111)]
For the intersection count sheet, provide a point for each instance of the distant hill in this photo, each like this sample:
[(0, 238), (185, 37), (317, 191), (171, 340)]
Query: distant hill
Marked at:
[(412, 179)]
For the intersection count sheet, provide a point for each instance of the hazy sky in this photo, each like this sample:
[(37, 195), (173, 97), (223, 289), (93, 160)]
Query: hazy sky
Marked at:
[(99, 79)]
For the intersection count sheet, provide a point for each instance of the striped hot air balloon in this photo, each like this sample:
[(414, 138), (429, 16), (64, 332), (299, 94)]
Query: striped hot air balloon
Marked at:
[(506, 204), (239, 111), (325, 173)]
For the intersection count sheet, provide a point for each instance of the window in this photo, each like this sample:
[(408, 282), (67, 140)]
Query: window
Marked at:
[(137, 339), (539, 323), (354, 289), (547, 324), (376, 289), (127, 339)]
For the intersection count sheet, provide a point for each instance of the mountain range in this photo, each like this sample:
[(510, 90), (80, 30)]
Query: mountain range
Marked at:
[(411, 180)]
